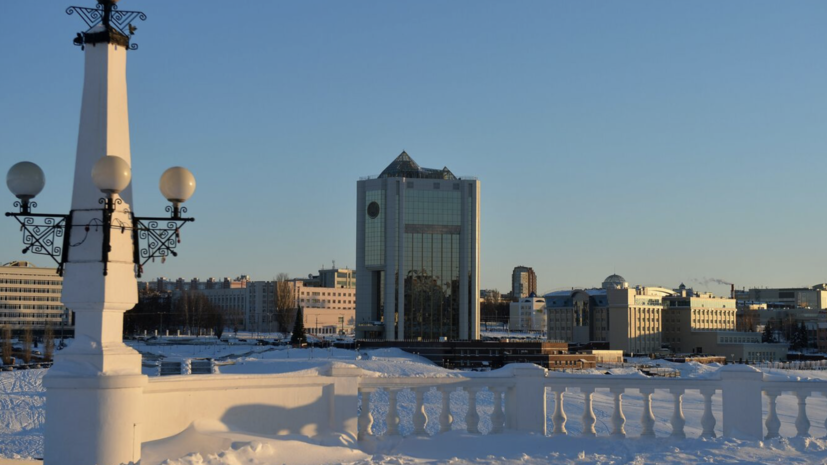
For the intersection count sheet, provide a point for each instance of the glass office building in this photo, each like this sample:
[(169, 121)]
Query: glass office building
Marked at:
[(417, 254)]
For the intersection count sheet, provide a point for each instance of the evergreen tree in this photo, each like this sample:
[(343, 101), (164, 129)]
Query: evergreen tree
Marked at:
[(298, 337), (768, 335)]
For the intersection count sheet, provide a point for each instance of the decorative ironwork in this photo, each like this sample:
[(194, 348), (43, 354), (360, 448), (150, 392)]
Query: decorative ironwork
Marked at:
[(117, 24), (43, 234), (157, 237), (50, 234)]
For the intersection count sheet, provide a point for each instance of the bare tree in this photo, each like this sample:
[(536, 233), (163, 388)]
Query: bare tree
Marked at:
[(48, 343), (27, 345), (285, 302), (7, 349)]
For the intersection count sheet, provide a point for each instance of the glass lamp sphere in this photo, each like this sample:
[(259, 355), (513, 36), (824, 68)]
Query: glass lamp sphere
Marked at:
[(25, 180), (177, 184), (111, 174)]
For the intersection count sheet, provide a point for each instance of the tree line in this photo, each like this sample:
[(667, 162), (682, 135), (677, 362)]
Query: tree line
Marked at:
[(27, 343)]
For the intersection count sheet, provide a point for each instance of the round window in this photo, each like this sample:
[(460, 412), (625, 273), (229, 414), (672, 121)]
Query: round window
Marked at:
[(373, 209)]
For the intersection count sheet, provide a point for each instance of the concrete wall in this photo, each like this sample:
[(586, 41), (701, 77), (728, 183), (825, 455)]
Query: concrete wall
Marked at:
[(262, 404)]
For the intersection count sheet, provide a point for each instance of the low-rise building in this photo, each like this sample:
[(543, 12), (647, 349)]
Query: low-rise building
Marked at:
[(687, 313), (529, 314), (326, 310), (30, 298), (628, 319), (814, 297)]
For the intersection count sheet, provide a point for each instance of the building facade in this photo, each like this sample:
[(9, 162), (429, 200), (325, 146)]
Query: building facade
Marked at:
[(529, 314), (578, 316), (523, 282), (814, 297), (687, 313), (30, 298), (326, 310), (337, 277), (249, 305), (629, 319), (417, 254)]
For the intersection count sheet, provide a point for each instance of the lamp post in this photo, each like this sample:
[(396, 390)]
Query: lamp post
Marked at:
[(100, 248)]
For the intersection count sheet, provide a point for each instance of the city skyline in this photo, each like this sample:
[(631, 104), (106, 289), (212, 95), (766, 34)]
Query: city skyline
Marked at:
[(652, 140)]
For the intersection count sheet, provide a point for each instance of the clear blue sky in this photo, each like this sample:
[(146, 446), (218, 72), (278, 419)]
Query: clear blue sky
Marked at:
[(666, 141)]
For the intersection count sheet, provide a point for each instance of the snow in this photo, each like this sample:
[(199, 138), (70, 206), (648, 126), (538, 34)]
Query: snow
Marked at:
[(22, 419), (21, 414), (527, 449)]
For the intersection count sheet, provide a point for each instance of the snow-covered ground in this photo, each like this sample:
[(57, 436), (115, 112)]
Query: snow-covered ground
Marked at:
[(22, 418)]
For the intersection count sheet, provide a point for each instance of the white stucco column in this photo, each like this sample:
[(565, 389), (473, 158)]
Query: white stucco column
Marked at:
[(94, 390)]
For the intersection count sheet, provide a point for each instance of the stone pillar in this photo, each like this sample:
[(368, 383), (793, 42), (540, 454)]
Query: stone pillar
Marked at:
[(344, 419), (94, 391), (530, 395), (741, 400)]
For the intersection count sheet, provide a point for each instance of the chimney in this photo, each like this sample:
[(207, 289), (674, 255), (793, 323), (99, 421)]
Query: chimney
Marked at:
[(732, 290)]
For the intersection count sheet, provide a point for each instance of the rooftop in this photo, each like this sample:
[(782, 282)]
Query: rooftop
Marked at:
[(405, 167)]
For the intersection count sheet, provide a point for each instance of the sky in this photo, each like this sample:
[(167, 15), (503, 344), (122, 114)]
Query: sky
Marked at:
[(665, 141)]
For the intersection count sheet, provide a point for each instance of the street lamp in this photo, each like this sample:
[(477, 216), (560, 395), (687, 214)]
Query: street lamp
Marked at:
[(51, 234)]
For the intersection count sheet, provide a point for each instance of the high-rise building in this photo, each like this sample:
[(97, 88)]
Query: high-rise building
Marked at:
[(417, 254), (523, 282)]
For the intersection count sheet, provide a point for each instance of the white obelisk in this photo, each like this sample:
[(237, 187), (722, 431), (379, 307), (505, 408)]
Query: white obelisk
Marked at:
[(94, 390)]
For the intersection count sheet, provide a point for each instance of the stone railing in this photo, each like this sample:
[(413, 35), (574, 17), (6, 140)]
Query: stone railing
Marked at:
[(346, 400)]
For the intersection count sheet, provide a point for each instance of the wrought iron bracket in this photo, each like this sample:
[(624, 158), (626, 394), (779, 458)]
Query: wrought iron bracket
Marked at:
[(117, 24), (152, 237), (44, 233), (157, 237)]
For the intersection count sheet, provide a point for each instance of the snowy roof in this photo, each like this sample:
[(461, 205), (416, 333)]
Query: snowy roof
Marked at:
[(591, 292)]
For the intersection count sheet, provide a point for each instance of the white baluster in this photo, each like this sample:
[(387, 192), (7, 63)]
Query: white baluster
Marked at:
[(420, 418), (647, 419), (366, 418), (559, 415), (472, 418), (618, 420), (678, 421), (802, 423), (588, 413), (445, 418), (773, 423), (708, 419), (497, 416), (392, 418)]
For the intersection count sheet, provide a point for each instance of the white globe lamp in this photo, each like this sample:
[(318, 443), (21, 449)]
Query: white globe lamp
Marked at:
[(111, 174), (25, 180)]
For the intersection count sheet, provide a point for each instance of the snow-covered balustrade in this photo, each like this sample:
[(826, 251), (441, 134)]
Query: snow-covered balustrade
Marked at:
[(801, 391), (584, 387), (500, 388), (345, 400)]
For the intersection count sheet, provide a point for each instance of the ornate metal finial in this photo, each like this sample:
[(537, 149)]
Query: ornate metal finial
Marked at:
[(117, 24)]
